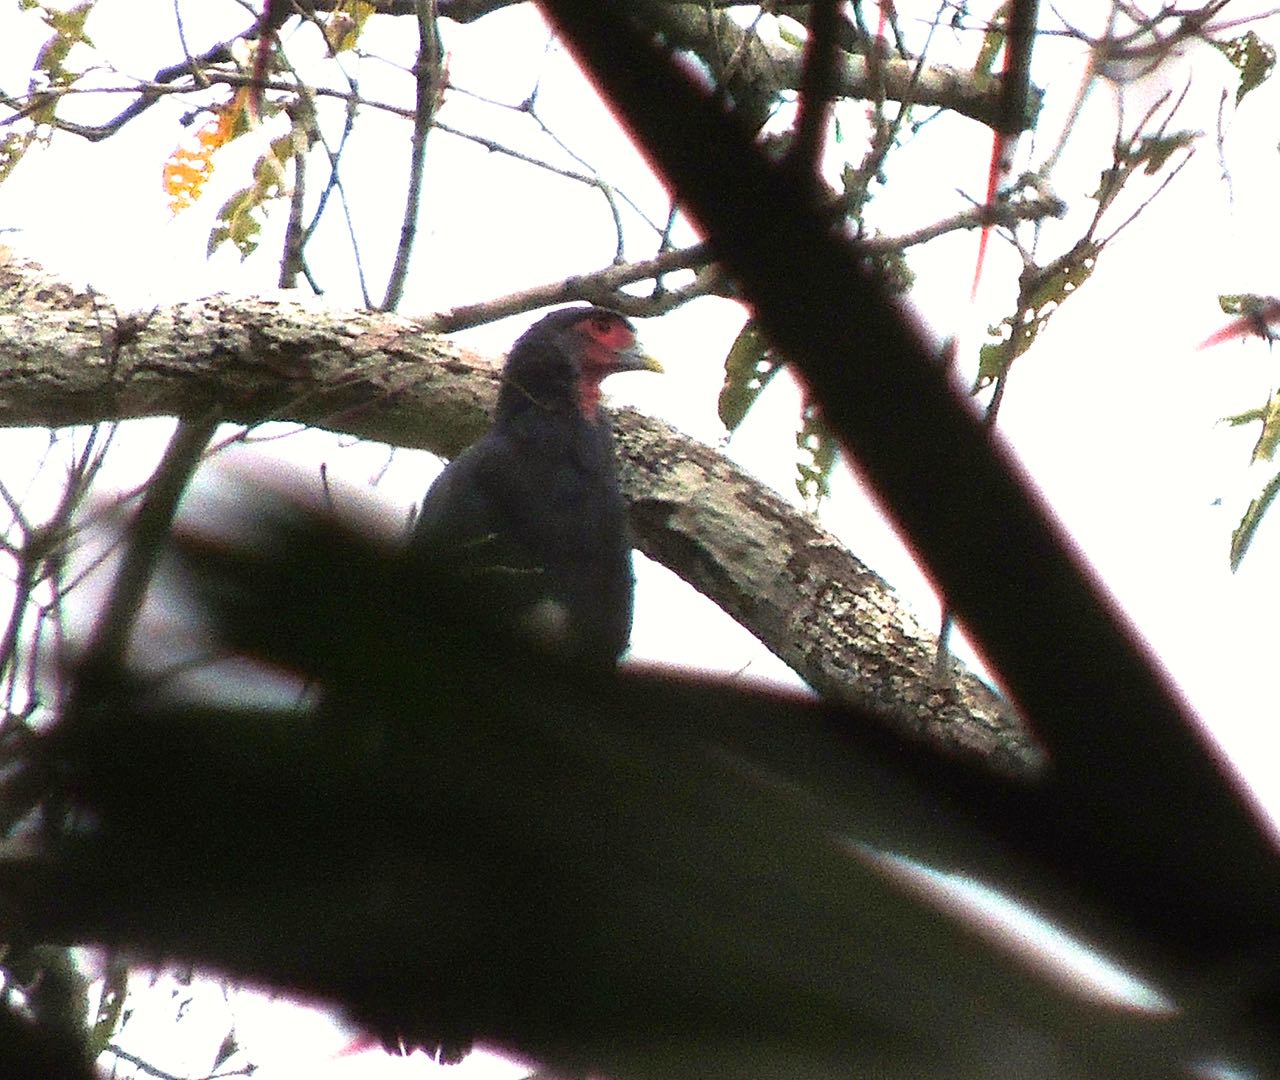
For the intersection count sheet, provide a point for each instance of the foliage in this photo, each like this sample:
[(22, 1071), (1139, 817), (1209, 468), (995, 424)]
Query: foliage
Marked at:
[(189, 167), (1253, 312), (1042, 291), (50, 76), (240, 217), (347, 22), (748, 368), (1252, 57), (819, 451)]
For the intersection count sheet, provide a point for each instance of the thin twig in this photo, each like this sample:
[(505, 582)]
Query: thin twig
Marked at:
[(427, 82), (109, 645), (603, 287), (817, 93), (295, 236), (160, 1074)]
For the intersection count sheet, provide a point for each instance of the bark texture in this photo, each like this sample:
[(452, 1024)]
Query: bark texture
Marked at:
[(66, 357)]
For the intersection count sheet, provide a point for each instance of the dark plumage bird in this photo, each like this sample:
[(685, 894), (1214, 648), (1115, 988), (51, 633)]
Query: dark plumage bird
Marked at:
[(531, 514)]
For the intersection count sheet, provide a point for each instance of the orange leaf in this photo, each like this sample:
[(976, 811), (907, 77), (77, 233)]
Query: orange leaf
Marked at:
[(189, 167)]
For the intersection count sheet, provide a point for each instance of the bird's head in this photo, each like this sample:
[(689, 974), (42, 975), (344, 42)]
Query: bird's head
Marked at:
[(561, 360)]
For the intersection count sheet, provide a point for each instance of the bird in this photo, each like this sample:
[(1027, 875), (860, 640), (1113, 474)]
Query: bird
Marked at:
[(531, 516)]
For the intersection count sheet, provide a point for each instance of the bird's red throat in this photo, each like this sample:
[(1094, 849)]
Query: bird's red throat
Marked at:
[(605, 337), (589, 395)]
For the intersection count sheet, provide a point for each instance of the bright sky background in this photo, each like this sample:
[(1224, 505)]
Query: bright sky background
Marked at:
[(1114, 412)]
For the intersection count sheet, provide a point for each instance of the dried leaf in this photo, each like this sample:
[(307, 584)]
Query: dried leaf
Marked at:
[(189, 167), (343, 28)]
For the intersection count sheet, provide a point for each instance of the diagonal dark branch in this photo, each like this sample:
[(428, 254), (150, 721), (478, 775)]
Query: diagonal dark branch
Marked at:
[(428, 74), (1016, 86), (817, 91), (1159, 828), (109, 647)]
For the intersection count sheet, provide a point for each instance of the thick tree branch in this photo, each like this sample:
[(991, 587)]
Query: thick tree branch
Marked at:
[(380, 376), (763, 69)]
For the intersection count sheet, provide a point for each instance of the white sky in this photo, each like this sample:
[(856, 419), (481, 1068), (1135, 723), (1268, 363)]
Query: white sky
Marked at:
[(1114, 412)]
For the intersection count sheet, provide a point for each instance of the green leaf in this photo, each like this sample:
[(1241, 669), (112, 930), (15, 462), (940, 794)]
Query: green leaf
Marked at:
[(795, 40), (991, 359), (238, 222), (747, 371), (68, 31), (1244, 533), (1269, 438), (1250, 416), (819, 451), (12, 148), (1252, 57), (218, 236), (991, 42), (115, 991), (1043, 292), (240, 219), (1244, 303), (1156, 149)]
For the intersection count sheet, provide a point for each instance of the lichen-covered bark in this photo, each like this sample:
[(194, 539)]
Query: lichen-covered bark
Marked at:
[(66, 358), (797, 588)]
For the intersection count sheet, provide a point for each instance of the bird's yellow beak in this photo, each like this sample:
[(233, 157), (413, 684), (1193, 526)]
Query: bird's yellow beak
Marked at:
[(634, 358)]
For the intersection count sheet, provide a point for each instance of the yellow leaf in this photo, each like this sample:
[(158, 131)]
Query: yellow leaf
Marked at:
[(189, 167)]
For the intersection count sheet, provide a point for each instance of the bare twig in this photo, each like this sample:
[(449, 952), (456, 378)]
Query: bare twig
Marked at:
[(427, 80), (600, 288), (604, 286), (160, 1074), (817, 92), (155, 514)]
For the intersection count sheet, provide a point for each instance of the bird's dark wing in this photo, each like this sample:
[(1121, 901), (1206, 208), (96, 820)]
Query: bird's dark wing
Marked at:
[(473, 525), (540, 540), (465, 503)]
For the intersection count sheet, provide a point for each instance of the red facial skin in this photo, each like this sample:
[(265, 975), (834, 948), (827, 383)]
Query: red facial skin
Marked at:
[(605, 336)]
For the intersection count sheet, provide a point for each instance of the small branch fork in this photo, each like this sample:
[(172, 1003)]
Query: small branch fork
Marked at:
[(605, 286)]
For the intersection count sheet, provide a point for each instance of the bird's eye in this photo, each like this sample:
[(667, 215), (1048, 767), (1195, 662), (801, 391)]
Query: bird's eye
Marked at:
[(610, 330)]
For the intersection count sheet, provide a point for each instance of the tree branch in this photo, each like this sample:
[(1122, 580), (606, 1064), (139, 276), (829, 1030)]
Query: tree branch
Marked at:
[(380, 376), (766, 68), (604, 287), (761, 73)]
